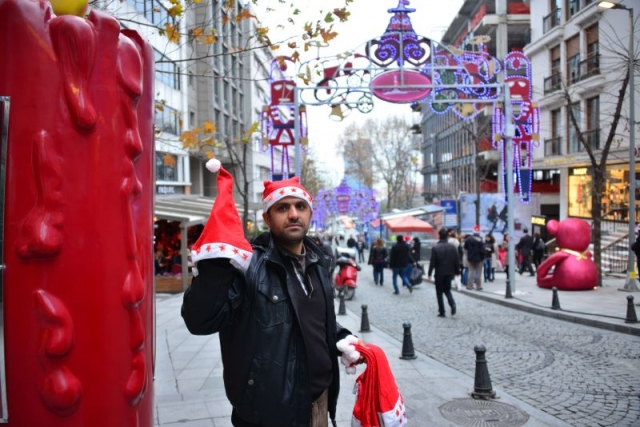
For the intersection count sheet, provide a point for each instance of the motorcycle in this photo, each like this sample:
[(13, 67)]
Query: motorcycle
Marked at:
[(345, 279)]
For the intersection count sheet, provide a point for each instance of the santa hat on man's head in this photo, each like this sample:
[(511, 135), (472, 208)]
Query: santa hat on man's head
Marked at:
[(276, 190), (223, 235)]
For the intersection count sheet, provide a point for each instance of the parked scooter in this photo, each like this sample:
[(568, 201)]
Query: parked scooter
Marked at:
[(345, 280)]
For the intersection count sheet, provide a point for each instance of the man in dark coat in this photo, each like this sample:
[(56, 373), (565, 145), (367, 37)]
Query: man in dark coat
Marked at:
[(446, 264), (276, 319), (525, 245), (400, 262)]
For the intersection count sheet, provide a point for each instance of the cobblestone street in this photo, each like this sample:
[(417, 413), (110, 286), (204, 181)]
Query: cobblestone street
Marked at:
[(582, 375)]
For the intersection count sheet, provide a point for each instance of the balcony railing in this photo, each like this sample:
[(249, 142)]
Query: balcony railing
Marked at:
[(552, 20), (591, 137), (585, 69), (552, 146), (552, 83)]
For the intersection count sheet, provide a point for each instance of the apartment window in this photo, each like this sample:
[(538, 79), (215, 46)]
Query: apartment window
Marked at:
[(573, 59), (192, 119), (552, 20), (166, 120), (167, 72), (593, 51), (573, 140), (166, 167), (554, 81), (573, 6), (592, 135), (552, 146), (153, 10)]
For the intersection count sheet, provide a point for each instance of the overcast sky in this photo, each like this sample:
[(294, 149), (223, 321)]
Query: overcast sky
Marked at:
[(368, 20)]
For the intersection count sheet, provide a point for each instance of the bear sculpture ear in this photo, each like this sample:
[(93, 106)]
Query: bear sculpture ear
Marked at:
[(552, 226)]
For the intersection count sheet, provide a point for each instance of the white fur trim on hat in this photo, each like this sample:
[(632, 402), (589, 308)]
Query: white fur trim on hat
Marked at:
[(283, 192), (239, 258)]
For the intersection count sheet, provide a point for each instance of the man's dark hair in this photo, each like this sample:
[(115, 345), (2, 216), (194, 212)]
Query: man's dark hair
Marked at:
[(399, 238), (443, 233)]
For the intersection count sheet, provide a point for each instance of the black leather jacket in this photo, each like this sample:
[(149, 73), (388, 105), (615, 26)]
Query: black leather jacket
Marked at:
[(263, 354)]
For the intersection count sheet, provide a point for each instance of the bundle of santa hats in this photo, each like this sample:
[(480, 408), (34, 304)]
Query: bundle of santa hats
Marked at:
[(223, 234)]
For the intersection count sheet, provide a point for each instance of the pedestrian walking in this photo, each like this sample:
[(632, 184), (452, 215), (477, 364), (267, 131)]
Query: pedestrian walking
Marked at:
[(272, 304), (360, 245), (475, 258), (400, 262), (525, 245), (444, 261), (453, 239), (489, 254), (378, 259), (415, 248), (538, 250), (635, 247), (504, 254)]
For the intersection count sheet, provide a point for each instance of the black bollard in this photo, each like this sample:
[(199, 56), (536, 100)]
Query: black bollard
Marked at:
[(631, 311), (482, 388), (555, 302), (507, 294), (342, 310), (407, 343), (364, 323)]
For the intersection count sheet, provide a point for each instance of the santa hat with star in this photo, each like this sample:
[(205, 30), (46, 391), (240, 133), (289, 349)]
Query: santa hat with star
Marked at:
[(276, 190), (223, 235)]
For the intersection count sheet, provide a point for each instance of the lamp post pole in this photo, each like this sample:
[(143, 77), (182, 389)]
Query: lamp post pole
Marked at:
[(630, 285)]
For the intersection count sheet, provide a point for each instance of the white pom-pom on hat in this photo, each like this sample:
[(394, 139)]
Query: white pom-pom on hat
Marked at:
[(213, 165)]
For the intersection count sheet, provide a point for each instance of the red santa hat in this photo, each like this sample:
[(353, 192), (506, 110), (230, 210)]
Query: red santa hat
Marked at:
[(378, 400), (223, 235), (276, 190)]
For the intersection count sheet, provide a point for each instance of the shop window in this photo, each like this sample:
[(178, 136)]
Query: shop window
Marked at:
[(580, 186)]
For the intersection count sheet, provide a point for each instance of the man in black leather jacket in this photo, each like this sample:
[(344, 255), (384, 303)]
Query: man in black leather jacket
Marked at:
[(276, 320)]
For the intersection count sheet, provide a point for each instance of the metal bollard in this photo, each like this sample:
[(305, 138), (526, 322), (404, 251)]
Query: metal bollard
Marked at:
[(631, 311), (555, 302), (364, 323), (482, 386), (342, 310), (407, 343), (507, 294)]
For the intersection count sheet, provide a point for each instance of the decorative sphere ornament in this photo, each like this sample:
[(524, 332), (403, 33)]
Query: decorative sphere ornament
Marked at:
[(70, 7)]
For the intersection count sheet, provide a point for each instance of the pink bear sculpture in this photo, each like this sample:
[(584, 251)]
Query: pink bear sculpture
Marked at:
[(573, 268)]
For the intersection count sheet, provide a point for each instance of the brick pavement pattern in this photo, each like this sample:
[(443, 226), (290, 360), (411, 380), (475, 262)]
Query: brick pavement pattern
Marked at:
[(582, 375)]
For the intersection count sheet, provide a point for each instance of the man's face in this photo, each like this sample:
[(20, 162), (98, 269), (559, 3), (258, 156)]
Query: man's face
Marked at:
[(288, 219)]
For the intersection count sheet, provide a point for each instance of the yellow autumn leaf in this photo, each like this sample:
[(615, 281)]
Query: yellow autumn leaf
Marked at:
[(253, 128), (208, 127), (168, 160), (172, 32), (197, 33), (328, 35), (209, 154), (208, 141), (189, 139), (211, 39), (244, 14), (225, 20), (175, 10)]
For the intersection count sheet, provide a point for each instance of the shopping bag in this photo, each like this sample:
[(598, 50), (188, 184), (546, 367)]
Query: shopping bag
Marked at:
[(378, 401), (415, 276)]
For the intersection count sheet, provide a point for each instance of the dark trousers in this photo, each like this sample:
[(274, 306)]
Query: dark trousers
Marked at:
[(443, 286), (378, 273), (526, 265)]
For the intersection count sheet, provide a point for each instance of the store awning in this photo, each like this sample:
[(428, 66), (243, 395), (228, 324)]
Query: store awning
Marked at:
[(191, 210)]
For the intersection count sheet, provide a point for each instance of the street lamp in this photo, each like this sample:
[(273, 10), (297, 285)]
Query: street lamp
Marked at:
[(630, 285)]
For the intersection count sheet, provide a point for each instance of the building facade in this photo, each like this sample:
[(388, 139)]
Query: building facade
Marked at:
[(579, 53)]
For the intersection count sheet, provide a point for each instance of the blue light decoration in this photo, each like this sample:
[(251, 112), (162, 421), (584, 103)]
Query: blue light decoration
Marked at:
[(403, 67), (344, 200), (526, 118)]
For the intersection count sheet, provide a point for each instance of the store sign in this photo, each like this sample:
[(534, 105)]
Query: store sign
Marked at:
[(579, 171), (538, 220)]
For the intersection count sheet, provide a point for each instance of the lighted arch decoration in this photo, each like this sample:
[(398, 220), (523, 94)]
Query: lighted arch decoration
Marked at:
[(345, 200), (403, 67)]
